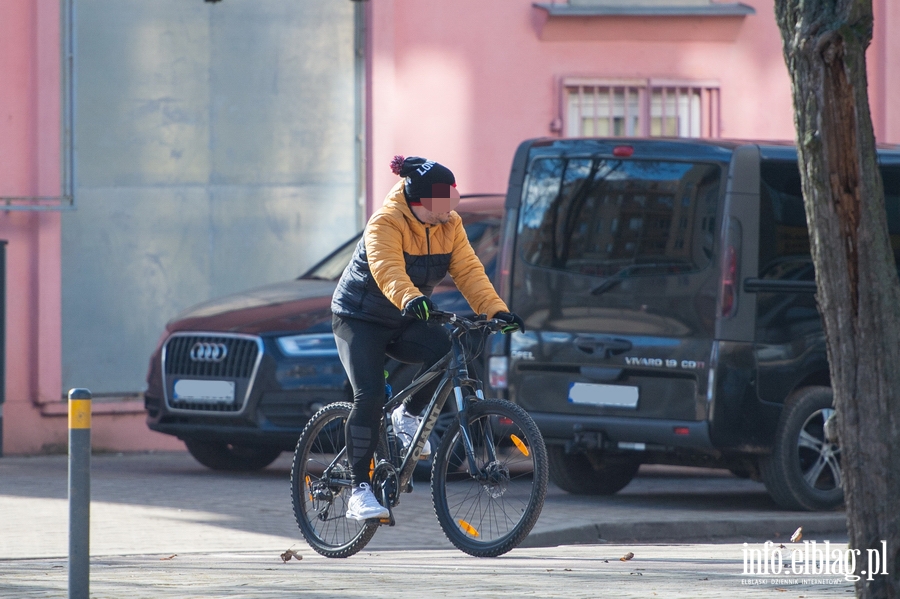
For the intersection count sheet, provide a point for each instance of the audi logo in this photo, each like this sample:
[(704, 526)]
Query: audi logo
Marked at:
[(208, 352)]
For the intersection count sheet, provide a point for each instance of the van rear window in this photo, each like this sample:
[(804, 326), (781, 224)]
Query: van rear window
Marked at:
[(624, 217)]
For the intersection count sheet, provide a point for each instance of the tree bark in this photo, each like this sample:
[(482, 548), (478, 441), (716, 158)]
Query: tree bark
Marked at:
[(858, 289)]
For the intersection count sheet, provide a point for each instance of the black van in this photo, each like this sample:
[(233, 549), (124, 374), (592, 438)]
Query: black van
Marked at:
[(669, 297)]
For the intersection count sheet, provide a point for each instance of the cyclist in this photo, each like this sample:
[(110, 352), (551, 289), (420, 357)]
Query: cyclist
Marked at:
[(382, 301)]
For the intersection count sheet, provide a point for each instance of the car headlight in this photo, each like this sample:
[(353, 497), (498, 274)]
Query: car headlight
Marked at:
[(308, 345)]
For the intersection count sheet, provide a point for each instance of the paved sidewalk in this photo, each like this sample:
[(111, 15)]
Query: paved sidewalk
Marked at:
[(571, 572), (227, 530)]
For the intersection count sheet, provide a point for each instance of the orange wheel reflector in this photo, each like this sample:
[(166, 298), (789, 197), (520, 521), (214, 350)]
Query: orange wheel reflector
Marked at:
[(468, 528), (371, 468), (309, 488), (520, 444)]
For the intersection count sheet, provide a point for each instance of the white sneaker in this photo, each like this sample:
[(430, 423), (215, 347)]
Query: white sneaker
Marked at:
[(363, 505), (405, 426)]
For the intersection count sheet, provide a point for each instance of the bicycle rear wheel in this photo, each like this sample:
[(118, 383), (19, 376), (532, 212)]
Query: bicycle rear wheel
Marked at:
[(320, 486), (492, 512)]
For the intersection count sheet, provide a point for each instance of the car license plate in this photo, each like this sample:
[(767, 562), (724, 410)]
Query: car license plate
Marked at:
[(204, 391), (614, 396)]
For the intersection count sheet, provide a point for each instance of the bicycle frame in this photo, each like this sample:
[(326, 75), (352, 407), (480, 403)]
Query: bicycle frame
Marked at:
[(455, 375)]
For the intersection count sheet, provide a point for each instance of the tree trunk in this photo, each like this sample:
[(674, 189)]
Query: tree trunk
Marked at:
[(858, 290)]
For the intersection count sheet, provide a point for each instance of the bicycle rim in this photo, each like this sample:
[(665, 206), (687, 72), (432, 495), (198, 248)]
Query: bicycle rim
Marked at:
[(491, 513), (320, 486)]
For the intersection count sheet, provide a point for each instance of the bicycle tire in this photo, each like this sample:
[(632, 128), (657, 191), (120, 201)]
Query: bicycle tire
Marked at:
[(322, 438), (489, 517)]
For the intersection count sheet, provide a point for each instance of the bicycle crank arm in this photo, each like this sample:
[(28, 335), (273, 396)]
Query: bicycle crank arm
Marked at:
[(386, 501)]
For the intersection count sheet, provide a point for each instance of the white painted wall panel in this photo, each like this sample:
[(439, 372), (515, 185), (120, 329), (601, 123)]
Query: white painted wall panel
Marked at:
[(214, 153)]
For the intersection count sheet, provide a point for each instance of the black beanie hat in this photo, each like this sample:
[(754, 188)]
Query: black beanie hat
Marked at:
[(420, 175)]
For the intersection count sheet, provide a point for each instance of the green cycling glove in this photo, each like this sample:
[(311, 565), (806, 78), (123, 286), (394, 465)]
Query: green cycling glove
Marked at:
[(420, 307)]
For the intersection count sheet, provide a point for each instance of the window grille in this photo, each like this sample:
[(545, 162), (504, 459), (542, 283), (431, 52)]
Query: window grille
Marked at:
[(644, 108)]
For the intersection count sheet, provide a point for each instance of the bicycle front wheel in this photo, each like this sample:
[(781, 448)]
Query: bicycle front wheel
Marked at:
[(320, 486), (490, 513)]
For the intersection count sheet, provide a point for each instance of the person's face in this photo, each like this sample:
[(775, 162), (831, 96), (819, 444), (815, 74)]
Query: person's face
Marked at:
[(444, 198)]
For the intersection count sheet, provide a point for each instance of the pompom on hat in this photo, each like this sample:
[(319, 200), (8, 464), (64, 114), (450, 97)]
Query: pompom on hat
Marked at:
[(421, 176)]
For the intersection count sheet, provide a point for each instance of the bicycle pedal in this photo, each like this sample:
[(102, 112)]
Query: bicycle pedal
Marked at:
[(389, 521)]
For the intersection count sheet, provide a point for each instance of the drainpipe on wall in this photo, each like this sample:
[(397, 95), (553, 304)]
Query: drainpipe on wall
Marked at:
[(360, 35), (66, 200), (3, 243)]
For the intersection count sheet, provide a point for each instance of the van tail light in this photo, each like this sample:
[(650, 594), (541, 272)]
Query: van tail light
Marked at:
[(728, 298), (729, 278), (498, 366), (504, 268)]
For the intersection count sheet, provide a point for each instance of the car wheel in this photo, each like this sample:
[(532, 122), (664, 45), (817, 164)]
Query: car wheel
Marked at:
[(219, 455), (576, 473), (803, 471)]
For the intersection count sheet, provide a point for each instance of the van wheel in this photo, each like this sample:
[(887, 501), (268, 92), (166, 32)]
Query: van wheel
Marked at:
[(804, 470), (219, 455), (577, 474)]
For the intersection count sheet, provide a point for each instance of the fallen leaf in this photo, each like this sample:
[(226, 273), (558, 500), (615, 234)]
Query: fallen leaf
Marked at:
[(567, 569), (781, 546), (606, 561), (635, 574), (626, 557), (707, 578), (287, 555), (781, 590), (798, 534), (162, 559)]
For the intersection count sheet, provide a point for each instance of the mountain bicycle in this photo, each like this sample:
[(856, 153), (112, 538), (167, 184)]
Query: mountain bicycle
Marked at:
[(488, 477)]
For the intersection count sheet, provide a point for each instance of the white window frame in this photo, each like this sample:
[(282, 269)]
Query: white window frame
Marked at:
[(640, 108)]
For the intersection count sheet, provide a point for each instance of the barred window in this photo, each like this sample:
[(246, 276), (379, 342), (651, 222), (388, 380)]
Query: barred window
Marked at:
[(641, 108)]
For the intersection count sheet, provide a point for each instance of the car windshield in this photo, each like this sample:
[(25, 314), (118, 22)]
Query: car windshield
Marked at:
[(482, 230), (330, 268)]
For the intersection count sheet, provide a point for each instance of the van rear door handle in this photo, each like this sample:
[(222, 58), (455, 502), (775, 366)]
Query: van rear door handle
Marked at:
[(605, 346)]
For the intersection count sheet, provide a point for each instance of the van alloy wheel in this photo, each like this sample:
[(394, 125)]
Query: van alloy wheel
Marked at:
[(803, 472), (819, 458)]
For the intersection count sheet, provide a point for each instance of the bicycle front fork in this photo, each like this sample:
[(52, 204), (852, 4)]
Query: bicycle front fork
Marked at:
[(462, 406)]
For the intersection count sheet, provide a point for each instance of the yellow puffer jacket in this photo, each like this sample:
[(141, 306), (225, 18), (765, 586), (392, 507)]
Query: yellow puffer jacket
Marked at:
[(400, 258)]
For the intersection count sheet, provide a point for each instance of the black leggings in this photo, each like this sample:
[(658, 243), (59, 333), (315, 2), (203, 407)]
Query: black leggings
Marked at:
[(362, 347)]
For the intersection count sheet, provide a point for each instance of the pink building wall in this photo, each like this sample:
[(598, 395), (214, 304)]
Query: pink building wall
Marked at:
[(34, 417), (464, 82), (460, 82)]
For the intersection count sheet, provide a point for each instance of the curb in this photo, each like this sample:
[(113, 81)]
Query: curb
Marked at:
[(690, 530)]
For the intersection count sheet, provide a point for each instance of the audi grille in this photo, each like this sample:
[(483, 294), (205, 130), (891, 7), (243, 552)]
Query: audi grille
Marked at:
[(210, 357)]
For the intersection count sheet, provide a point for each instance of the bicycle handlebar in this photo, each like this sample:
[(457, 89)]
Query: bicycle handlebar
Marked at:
[(441, 317)]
